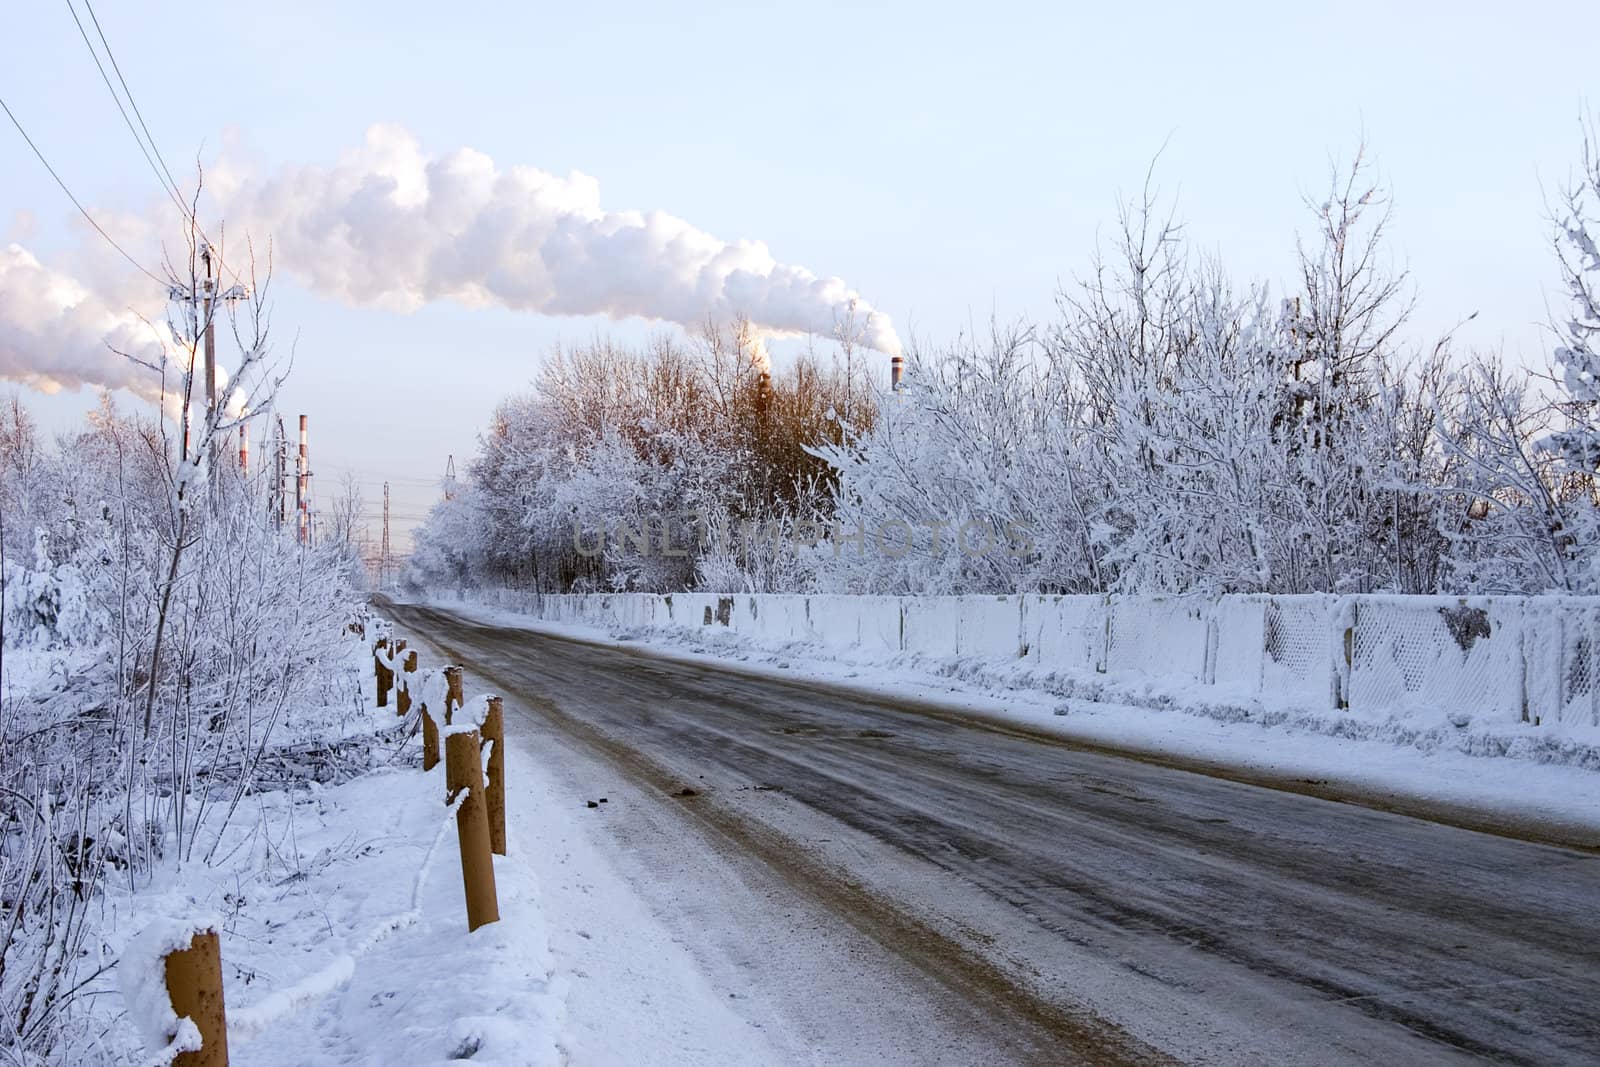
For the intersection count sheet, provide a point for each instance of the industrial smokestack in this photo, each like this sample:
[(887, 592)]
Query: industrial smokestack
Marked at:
[(897, 371), (244, 451)]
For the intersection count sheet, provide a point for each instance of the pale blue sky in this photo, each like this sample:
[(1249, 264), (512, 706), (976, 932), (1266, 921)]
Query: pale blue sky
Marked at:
[(945, 160)]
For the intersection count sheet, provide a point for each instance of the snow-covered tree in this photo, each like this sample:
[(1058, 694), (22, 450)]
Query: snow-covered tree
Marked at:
[(626, 469), (943, 493), (1531, 521), (1509, 525), (1577, 356), (1201, 477)]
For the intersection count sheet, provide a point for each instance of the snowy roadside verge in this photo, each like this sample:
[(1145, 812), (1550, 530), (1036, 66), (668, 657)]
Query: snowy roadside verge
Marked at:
[(344, 938), (638, 988), (340, 910), (1506, 788)]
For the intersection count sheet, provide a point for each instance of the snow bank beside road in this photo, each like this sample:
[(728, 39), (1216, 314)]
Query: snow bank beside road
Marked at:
[(344, 937), (1548, 788)]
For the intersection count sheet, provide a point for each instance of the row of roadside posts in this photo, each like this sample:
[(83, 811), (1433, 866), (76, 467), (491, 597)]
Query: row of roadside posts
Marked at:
[(473, 750)]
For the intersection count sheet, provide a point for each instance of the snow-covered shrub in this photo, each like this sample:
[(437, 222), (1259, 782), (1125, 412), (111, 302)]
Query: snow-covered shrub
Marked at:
[(49, 605), (158, 648)]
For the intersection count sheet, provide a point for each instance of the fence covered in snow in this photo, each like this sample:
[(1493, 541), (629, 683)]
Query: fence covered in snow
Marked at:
[(1505, 659)]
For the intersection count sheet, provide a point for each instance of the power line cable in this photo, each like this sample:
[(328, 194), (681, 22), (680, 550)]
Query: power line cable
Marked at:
[(168, 184), (75, 202), (131, 102), (170, 189)]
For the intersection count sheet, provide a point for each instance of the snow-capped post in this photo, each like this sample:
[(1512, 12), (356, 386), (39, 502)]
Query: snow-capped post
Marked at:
[(1349, 663), (402, 692), (381, 671), (494, 734), (434, 717), (394, 666), (171, 978), (194, 985), (464, 771), (453, 696)]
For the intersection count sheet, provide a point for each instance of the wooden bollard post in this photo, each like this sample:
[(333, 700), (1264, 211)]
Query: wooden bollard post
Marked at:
[(384, 676), (194, 985), (402, 693), (453, 696), (397, 658), (430, 738), (463, 770), (494, 733), (433, 718)]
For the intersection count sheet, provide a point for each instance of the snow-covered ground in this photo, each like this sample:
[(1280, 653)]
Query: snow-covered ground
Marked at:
[(1512, 777), (340, 907), (344, 940), (344, 936)]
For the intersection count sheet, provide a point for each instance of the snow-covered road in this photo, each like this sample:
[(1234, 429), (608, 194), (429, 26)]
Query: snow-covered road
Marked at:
[(876, 881)]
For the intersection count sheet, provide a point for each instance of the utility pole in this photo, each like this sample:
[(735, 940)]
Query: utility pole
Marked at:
[(383, 563), (211, 332), (276, 503), (207, 296), (450, 477), (302, 485)]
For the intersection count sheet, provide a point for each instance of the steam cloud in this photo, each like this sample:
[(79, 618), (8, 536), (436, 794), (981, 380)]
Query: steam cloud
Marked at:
[(391, 226), (55, 334)]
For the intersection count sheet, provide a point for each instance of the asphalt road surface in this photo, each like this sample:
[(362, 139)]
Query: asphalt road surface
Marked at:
[(1037, 903)]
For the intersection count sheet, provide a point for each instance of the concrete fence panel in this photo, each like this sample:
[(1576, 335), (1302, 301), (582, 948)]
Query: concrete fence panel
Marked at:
[(930, 625), (989, 626), (1158, 637), (1534, 659)]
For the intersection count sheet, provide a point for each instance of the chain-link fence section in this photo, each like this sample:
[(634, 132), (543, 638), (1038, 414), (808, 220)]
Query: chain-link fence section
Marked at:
[(1298, 650), (1429, 653)]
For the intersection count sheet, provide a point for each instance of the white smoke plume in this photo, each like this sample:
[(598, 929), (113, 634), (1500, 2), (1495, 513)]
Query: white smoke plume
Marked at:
[(391, 226), (55, 334)]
